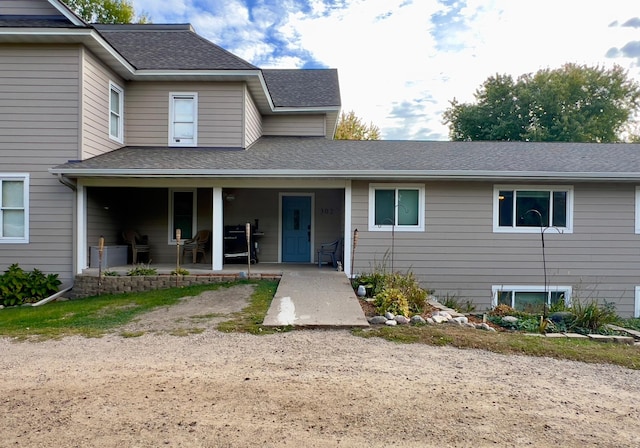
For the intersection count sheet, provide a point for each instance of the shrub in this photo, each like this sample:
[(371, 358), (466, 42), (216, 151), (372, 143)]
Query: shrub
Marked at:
[(18, 287), (592, 316), (373, 282), (416, 297), (392, 300), (180, 271)]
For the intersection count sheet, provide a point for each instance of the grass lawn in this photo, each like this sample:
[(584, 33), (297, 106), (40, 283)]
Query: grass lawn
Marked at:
[(509, 343), (96, 316)]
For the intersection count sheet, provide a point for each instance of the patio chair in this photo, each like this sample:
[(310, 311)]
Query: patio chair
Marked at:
[(197, 245), (139, 244), (330, 249)]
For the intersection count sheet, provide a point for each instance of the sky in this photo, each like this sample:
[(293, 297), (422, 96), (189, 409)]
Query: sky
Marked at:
[(401, 62)]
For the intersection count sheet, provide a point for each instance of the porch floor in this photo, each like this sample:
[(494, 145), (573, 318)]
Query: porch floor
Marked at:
[(307, 296)]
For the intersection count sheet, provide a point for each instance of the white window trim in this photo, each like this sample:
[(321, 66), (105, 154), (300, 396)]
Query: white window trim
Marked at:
[(120, 136), (24, 177), (495, 289), (373, 227), (194, 225), (172, 96), (636, 308), (496, 207)]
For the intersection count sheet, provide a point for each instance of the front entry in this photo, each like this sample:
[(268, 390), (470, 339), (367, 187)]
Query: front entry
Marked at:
[(296, 229)]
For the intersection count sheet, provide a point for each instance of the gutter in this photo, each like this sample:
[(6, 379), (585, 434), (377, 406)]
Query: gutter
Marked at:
[(66, 182), (350, 174)]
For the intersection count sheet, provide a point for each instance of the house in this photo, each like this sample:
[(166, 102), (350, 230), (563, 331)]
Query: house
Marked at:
[(153, 128)]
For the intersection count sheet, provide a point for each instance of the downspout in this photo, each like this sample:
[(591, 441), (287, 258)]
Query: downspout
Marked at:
[(64, 181), (72, 185)]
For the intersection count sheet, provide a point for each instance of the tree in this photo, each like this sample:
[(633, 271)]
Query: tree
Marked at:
[(572, 104), (106, 11), (351, 127)]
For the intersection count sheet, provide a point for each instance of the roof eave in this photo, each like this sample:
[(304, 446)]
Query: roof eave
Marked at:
[(349, 174)]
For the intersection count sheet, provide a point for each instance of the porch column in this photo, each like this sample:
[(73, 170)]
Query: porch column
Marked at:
[(80, 235), (217, 233), (348, 232)]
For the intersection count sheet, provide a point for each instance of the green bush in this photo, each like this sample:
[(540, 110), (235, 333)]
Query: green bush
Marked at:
[(408, 285), (18, 287), (392, 300), (593, 316)]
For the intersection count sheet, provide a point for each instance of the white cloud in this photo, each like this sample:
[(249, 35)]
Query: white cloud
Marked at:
[(401, 61)]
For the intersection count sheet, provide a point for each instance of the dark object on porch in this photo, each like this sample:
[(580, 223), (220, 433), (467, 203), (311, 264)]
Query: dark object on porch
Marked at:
[(330, 249), (197, 245), (139, 244), (235, 244)]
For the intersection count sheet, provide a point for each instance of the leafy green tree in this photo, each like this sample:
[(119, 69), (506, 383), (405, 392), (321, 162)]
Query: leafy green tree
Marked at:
[(574, 103), (351, 127), (106, 11)]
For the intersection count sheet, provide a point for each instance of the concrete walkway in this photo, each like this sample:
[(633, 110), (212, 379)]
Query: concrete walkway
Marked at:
[(315, 297)]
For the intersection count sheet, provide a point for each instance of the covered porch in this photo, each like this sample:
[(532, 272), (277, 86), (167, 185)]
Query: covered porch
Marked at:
[(288, 222)]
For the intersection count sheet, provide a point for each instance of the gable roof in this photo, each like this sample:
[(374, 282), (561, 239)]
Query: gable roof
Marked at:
[(169, 47), (175, 52), (303, 88), (313, 157)]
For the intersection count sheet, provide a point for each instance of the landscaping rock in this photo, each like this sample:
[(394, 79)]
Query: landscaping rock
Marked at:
[(402, 319), (377, 320), (391, 323), (561, 317), (389, 315), (485, 326), (461, 320), (510, 319), (418, 320), (430, 321), (439, 319)]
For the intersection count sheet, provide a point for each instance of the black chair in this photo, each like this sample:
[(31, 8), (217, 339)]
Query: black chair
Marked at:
[(330, 249)]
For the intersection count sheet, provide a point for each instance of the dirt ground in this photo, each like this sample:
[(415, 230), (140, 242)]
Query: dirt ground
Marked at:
[(320, 388)]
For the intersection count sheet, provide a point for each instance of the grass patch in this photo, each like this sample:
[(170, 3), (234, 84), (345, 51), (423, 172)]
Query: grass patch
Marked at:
[(250, 319), (511, 344), (92, 316)]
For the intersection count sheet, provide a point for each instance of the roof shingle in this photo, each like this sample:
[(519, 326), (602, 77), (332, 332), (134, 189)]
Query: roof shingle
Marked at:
[(307, 156)]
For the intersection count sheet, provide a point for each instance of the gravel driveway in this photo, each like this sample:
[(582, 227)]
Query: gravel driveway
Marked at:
[(320, 388)]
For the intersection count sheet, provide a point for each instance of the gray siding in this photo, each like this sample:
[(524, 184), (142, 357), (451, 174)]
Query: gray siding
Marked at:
[(294, 125), (252, 119), (459, 253), (39, 103), (95, 107), (27, 7), (220, 109), (263, 204)]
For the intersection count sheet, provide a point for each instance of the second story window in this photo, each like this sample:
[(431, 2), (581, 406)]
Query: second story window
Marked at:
[(183, 119), (116, 107)]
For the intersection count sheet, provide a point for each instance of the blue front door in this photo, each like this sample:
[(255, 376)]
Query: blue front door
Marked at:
[(296, 229)]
